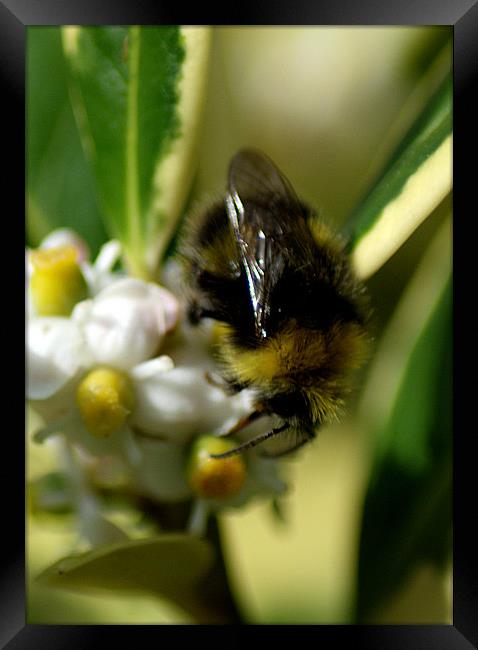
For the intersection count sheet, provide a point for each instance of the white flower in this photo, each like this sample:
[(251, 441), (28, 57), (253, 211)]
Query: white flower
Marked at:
[(229, 482), (98, 274), (127, 321), (164, 474), (56, 355), (66, 237), (180, 403), (64, 273), (76, 366)]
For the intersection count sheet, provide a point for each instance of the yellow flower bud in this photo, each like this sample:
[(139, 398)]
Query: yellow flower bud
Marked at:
[(215, 478), (57, 282), (105, 399)]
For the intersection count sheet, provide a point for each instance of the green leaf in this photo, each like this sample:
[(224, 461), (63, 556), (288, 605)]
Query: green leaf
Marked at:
[(137, 94), (434, 42), (407, 510), (60, 188), (417, 178), (170, 566)]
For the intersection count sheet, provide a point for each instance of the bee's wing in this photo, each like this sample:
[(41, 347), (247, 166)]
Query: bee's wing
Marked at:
[(253, 175), (255, 180)]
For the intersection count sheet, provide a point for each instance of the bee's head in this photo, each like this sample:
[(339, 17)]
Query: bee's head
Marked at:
[(288, 405)]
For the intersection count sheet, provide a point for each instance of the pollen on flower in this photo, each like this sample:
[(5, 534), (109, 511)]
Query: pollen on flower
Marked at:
[(57, 282), (105, 399), (215, 478)]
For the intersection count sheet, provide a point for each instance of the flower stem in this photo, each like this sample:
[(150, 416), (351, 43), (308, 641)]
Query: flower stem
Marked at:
[(215, 587)]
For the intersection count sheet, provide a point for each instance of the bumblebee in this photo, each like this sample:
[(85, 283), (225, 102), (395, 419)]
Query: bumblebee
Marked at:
[(292, 317)]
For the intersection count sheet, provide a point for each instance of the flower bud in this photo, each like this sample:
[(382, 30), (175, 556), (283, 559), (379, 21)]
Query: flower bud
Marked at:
[(66, 237), (126, 322), (215, 478), (57, 282), (105, 399)]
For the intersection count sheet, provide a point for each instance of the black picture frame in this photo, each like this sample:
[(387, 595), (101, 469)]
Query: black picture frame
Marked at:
[(15, 16)]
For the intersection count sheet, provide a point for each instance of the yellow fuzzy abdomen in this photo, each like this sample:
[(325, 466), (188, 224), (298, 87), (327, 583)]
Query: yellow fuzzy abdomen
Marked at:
[(293, 352)]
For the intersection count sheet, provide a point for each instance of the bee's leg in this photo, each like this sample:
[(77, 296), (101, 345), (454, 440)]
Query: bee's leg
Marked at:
[(244, 422), (213, 379), (251, 443), (196, 313), (229, 387)]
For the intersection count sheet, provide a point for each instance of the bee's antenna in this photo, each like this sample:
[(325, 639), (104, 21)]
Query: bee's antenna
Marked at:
[(251, 443)]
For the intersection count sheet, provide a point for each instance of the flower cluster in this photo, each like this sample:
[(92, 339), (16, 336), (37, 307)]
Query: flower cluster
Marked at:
[(115, 370)]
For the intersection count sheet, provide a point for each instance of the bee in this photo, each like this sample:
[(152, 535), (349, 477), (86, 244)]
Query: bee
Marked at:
[(291, 315)]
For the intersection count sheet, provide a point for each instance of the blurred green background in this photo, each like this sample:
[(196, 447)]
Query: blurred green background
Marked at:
[(328, 105)]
